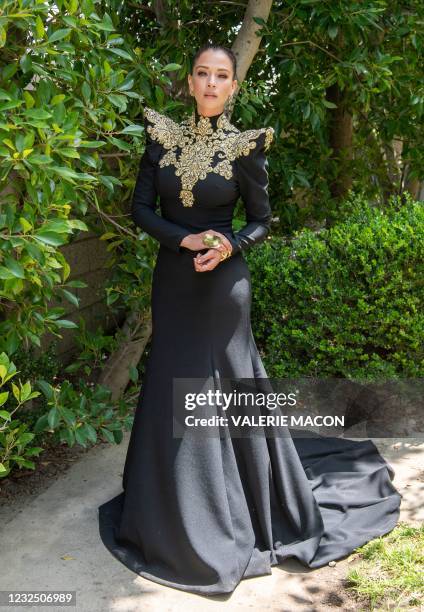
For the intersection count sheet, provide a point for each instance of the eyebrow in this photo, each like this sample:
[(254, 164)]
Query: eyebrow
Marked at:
[(226, 70)]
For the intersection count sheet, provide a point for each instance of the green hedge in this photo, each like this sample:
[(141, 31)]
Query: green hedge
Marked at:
[(347, 301)]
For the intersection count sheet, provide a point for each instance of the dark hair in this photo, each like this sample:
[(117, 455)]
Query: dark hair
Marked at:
[(226, 50)]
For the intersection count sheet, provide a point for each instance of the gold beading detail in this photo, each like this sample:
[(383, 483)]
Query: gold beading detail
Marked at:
[(199, 143)]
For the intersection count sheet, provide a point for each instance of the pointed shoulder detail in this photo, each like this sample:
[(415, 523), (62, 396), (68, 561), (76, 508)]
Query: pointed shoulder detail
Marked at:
[(263, 136), (161, 128), (269, 136), (253, 140)]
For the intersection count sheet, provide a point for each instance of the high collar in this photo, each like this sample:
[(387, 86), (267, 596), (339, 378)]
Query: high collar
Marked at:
[(202, 123)]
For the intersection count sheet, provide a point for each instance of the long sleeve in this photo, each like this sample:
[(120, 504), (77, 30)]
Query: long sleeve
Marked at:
[(252, 173), (145, 200)]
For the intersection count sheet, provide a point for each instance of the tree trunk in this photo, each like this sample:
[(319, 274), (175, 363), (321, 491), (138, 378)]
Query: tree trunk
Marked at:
[(247, 43), (413, 186), (340, 139), (115, 374)]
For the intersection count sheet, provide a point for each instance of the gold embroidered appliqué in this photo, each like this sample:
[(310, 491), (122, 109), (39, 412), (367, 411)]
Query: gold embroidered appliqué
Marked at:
[(199, 143)]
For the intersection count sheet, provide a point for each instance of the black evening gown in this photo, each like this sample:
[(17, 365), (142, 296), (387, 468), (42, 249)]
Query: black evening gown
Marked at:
[(202, 514)]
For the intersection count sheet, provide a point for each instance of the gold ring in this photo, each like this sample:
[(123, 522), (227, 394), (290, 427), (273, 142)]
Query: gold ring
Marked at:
[(212, 241)]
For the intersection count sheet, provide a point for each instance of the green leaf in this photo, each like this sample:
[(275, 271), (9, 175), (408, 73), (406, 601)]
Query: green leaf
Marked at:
[(159, 94), (46, 388), (118, 435), (109, 181), (11, 104), (66, 324), (106, 24), (89, 160), (329, 104), (14, 267), (41, 424), (121, 53), (37, 113), (29, 100), (16, 392), (86, 91), (73, 6), (38, 158), (68, 152), (71, 297), (117, 100), (90, 432), (133, 129), (51, 238), (26, 391), (333, 30), (133, 94), (133, 372), (171, 67), (60, 226), (26, 226), (2, 40), (25, 63), (4, 471), (58, 35), (34, 338), (80, 436), (53, 417), (92, 144), (69, 416), (6, 274), (64, 171), (39, 27), (4, 95), (121, 144), (73, 367), (57, 99), (68, 436), (34, 450), (125, 85), (108, 435), (80, 225), (77, 283), (12, 341), (24, 438)]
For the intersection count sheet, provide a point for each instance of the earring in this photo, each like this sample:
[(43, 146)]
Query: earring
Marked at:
[(229, 105)]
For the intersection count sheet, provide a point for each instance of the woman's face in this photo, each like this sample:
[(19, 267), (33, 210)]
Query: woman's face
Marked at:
[(212, 81)]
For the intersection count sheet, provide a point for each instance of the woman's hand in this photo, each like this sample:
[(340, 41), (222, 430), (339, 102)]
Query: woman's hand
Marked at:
[(194, 242), (207, 261)]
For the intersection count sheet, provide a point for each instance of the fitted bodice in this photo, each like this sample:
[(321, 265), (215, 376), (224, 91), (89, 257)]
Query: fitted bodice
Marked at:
[(199, 168)]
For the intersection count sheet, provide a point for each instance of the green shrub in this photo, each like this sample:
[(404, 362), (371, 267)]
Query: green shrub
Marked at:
[(80, 414), (347, 301), (15, 448)]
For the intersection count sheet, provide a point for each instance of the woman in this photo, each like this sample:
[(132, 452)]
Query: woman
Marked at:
[(201, 514)]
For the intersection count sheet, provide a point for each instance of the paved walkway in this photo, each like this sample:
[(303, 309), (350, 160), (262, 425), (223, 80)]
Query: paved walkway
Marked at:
[(53, 543)]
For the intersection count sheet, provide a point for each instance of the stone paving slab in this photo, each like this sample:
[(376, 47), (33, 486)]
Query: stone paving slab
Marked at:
[(53, 543)]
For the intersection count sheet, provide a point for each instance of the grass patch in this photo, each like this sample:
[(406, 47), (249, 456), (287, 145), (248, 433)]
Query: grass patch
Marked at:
[(390, 574)]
